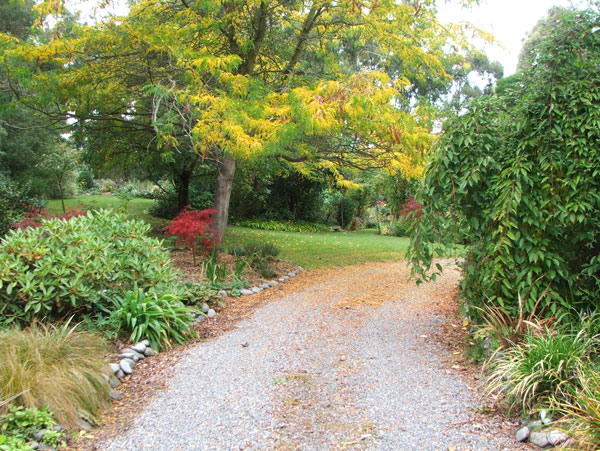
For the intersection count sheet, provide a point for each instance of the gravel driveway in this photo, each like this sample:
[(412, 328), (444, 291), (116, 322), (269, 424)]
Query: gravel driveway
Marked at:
[(344, 362)]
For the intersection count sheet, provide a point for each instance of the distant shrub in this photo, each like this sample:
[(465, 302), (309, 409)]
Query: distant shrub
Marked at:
[(284, 226), (34, 216), (72, 267), (58, 366), (402, 227), (166, 205), (14, 200), (411, 209)]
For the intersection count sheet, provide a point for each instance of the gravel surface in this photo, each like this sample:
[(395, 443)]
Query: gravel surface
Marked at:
[(346, 362)]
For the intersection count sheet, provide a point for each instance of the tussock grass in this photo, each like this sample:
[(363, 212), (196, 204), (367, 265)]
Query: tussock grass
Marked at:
[(58, 366)]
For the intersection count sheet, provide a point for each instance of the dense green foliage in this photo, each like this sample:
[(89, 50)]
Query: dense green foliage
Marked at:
[(55, 365), (517, 178), (14, 200), (74, 267)]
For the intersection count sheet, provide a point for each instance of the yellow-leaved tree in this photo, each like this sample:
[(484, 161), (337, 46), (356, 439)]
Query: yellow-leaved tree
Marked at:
[(321, 84)]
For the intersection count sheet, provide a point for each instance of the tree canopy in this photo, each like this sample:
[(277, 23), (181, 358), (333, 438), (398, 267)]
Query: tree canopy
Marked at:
[(319, 84)]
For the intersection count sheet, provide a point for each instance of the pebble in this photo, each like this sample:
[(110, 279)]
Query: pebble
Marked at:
[(274, 283), (205, 307), (246, 292), (139, 347), (146, 342), (265, 285), (138, 355), (557, 437), (256, 289), (539, 439), (222, 293), (126, 366), (114, 367), (211, 313), (39, 435), (522, 434), (281, 279), (115, 395), (546, 419), (83, 425), (114, 382), (120, 374), (292, 274), (58, 428)]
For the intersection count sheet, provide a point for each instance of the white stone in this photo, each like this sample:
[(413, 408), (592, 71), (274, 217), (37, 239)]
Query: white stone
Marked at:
[(557, 437), (211, 313), (114, 367), (139, 347), (539, 439), (146, 342), (256, 289), (126, 366), (522, 434), (245, 292), (222, 293)]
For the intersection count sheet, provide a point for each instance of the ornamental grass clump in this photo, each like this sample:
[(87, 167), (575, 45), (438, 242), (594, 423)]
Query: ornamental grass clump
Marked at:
[(55, 365), (542, 367), (582, 410)]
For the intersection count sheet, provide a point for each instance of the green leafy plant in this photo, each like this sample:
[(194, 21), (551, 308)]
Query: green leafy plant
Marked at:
[(65, 268), (197, 293), (214, 271), (542, 367), (55, 365), (162, 319), (20, 425)]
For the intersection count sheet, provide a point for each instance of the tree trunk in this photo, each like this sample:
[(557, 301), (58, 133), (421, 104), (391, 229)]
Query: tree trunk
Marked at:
[(183, 187), (226, 169)]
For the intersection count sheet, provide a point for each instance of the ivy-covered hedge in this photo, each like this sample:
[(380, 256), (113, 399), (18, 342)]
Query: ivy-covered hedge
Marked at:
[(517, 178), (76, 266)]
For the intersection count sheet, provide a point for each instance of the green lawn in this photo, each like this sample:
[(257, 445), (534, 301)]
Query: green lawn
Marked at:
[(136, 207), (310, 250), (316, 250)]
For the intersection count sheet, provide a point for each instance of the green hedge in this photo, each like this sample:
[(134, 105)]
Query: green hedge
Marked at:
[(284, 226), (75, 267)]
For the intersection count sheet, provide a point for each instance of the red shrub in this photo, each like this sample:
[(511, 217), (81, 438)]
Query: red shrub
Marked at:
[(411, 207), (34, 216), (193, 229)]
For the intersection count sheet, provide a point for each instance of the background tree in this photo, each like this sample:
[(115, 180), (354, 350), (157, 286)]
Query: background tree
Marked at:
[(229, 81), (516, 178)]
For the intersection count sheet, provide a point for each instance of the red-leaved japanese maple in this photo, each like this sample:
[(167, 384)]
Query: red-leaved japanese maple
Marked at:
[(193, 229), (411, 208)]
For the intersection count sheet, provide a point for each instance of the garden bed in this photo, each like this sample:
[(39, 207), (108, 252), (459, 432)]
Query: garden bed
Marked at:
[(183, 261)]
